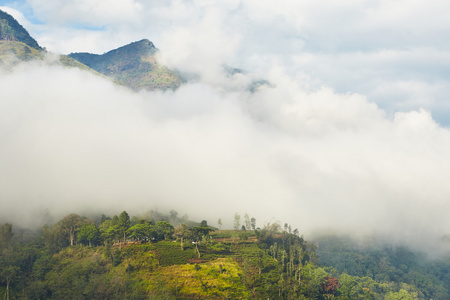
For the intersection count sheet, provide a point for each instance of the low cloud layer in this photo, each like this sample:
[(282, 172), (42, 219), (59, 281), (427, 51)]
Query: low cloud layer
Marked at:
[(72, 141)]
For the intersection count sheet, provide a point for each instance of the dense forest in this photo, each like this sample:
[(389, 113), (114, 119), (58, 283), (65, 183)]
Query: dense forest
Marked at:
[(158, 256)]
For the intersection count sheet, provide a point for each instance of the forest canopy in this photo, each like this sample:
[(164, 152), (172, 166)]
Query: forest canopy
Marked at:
[(163, 256)]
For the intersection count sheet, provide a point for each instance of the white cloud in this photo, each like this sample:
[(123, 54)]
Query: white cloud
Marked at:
[(350, 46), (202, 46), (343, 136), (314, 159)]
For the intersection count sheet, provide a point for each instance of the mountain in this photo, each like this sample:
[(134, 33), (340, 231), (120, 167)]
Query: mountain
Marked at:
[(11, 30), (15, 42), (133, 65), (17, 45)]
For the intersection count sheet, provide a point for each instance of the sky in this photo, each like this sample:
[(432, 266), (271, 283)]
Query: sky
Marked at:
[(349, 130)]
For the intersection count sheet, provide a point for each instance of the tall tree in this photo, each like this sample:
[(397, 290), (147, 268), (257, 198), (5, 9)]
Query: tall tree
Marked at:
[(69, 225), (247, 221), (52, 238), (88, 234), (143, 231), (266, 234), (220, 223), (8, 274), (164, 230), (108, 231), (237, 221), (173, 214), (197, 234), (253, 223), (181, 232), (5, 235), (124, 224)]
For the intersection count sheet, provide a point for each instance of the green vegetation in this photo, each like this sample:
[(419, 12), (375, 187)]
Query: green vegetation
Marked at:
[(14, 52), (19, 51), (216, 279), (158, 256), (133, 257), (133, 65), (411, 271), (11, 30), (169, 253), (68, 61)]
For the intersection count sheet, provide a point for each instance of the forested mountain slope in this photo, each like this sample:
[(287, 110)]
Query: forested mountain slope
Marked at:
[(11, 30), (133, 65), (145, 258), (387, 263)]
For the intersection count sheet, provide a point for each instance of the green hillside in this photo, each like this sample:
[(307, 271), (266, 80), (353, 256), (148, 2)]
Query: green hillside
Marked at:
[(12, 53), (18, 50), (11, 30), (16, 45), (141, 258), (133, 65), (386, 263)]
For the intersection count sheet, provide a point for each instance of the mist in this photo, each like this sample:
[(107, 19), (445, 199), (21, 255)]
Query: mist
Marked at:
[(341, 130), (316, 159)]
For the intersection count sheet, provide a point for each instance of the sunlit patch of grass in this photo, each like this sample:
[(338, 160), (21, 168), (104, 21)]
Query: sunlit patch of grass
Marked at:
[(19, 50), (218, 279)]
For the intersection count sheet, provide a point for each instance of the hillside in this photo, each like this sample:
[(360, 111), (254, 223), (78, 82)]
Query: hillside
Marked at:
[(16, 45), (386, 263), (140, 258), (18, 50), (13, 53), (11, 30), (133, 65)]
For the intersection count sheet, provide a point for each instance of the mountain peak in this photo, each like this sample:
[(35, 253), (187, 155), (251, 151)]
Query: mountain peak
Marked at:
[(144, 42), (11, 30), (132, 65), (141, 47)]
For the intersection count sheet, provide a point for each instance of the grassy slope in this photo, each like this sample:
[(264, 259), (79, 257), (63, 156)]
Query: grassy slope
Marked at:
[(218, 274), (150, 269), (13, 53), (11, 50)]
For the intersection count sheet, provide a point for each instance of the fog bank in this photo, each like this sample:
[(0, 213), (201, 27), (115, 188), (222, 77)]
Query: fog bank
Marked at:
[(313, 158)]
